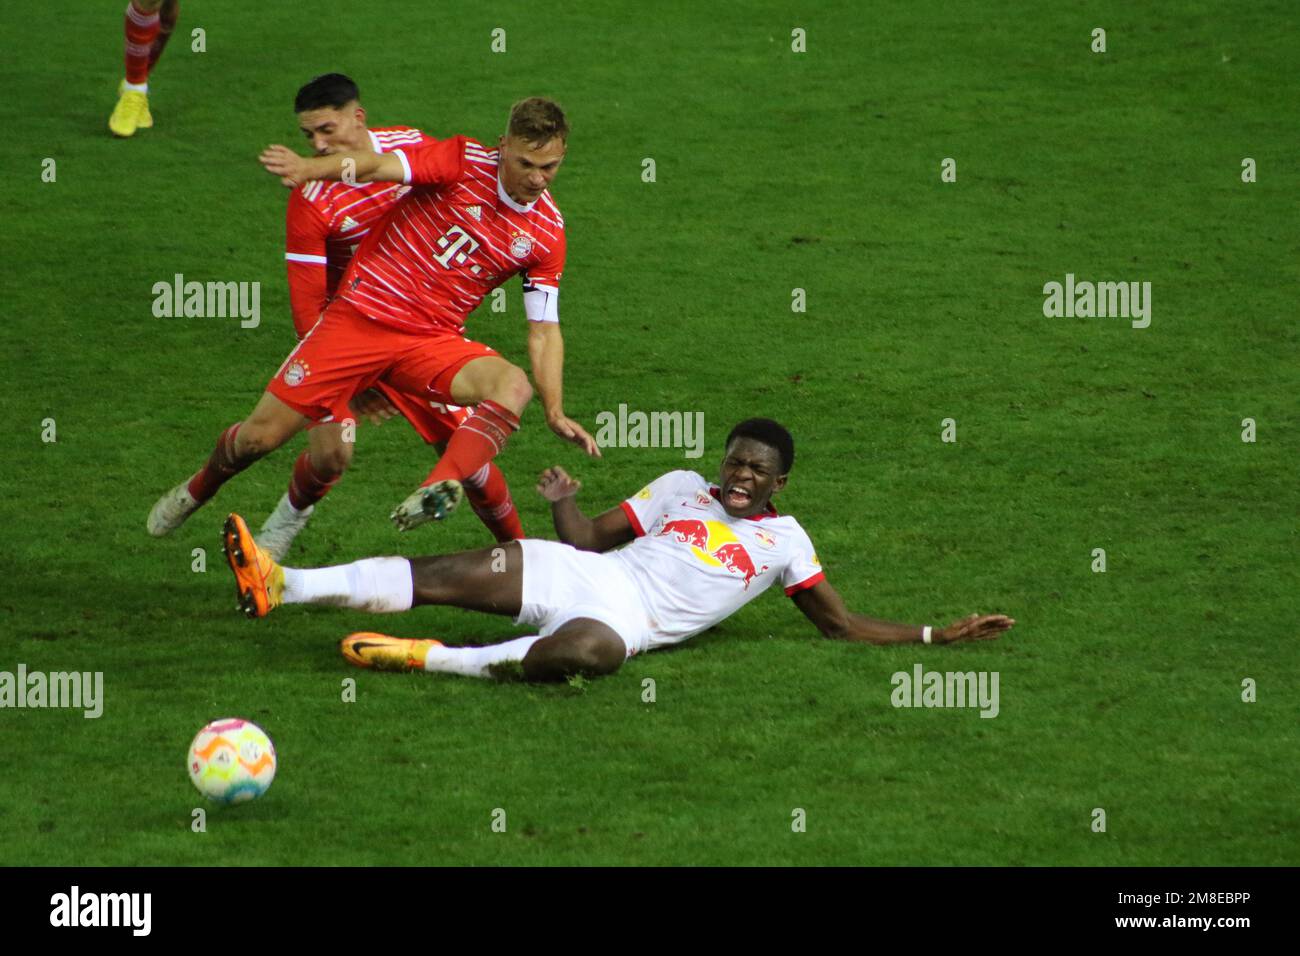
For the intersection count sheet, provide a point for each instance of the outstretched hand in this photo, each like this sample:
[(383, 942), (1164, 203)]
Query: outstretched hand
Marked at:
[(285, 163), (556, 485), (571, 431), (975, 627)]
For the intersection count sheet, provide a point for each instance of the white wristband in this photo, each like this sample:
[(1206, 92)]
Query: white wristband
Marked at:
[(926, 633)]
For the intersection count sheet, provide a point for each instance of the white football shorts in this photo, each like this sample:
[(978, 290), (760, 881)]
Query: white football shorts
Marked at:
[(562, 583)]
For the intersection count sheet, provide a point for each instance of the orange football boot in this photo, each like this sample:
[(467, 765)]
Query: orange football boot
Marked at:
[(384, 653), (259, 581)]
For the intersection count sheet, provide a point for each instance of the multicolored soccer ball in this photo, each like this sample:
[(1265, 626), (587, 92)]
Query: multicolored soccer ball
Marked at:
[(232, 760)]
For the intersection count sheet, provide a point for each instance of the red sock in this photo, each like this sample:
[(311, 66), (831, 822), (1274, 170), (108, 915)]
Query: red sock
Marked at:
[(166, 23), (489, 495), (141, 30), (221, 467), (306, 487), (475, 443)]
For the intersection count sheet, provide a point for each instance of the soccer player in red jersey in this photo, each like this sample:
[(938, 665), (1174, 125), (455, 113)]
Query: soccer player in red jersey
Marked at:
[(324, 224), (149, 25), (474, 218)]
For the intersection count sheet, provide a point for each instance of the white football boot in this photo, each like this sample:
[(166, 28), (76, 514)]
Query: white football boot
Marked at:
[(171, 510), (429, 503), (282, 527)]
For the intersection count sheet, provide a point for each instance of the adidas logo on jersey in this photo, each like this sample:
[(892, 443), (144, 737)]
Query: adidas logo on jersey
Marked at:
[(348, 223), (476, 212)]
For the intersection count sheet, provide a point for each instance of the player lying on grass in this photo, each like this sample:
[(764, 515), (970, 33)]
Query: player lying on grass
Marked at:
[(474, 218), (324, 224), (696, 553)]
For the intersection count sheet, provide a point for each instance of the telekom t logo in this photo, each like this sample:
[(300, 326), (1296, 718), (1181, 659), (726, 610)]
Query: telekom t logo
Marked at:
[(451, 243)]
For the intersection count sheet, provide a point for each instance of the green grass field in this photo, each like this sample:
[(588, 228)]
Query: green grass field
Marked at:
[(775, 170)]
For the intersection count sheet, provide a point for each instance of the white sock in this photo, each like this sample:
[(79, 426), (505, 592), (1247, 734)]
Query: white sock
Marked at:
[(285, 507), (380, 585), (475, 661), (138, 87)]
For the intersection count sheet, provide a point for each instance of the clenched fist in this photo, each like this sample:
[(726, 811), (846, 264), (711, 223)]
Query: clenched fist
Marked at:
[(555, 484)]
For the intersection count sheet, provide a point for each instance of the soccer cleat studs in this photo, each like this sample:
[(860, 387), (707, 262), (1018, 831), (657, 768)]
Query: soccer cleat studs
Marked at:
[(259, 581), (430, 503)]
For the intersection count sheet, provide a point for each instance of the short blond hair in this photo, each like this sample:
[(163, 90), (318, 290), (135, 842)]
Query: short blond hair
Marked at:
[(537, 121)]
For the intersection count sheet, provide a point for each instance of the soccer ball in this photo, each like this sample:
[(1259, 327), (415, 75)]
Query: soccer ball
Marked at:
[(232, 760)]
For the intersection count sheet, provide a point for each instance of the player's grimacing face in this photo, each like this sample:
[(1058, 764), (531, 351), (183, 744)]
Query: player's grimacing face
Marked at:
[(528, 168), (330, 130), (751, 474)]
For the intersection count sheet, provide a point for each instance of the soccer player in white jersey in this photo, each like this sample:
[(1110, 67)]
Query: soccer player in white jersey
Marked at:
[(695, 553)]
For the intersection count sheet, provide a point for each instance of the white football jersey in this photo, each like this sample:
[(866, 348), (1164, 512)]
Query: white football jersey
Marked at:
[(694, 564)]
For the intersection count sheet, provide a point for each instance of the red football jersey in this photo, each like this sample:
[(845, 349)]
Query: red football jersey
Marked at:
[(326, 222), (451, 241)]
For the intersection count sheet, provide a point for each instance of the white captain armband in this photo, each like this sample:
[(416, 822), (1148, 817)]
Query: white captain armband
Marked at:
[(542, 305), (406, 165)]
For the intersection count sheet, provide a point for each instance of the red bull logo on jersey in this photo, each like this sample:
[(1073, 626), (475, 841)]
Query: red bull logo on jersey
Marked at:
[(713, 543)]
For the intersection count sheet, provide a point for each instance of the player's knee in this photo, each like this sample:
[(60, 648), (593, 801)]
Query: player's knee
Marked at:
[(255, 439), (513, 389), (578, 648), (330, 462), (595, 653)]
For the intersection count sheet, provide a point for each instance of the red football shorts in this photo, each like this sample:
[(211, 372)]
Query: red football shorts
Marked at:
[(346, 353), (432, 420)]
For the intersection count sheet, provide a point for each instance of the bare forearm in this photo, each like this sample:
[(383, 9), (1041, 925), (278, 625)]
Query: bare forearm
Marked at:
[(546, 354), (868, 630), (823, 605), (571, 525), (361, 167)]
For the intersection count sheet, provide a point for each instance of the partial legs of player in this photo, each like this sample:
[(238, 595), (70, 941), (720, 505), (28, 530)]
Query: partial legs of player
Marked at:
[(488, 580), (582, 646), (148, 26), (437, 424), (329, 453), (270, 425), (500, 391), (166, 26), (326, 370), (489, 496), (315, 472)]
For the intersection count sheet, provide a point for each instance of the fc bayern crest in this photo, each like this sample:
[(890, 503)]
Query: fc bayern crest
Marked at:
[(295, 373), (520, 246)]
